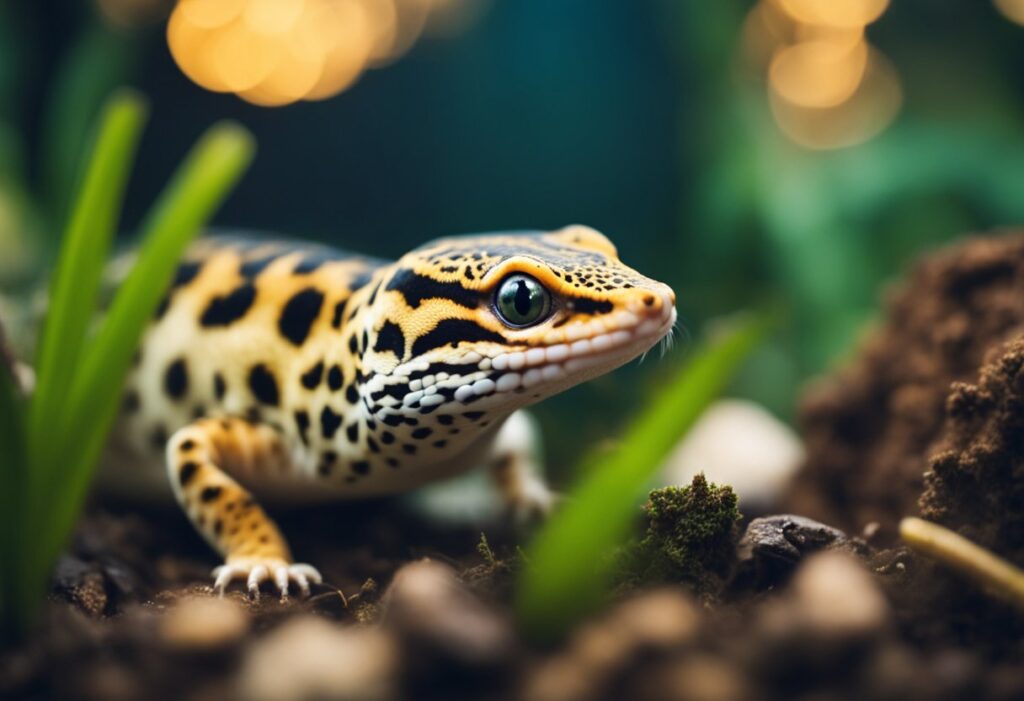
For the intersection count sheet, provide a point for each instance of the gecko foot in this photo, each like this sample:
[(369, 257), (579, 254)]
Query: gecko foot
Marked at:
[(256, 570)]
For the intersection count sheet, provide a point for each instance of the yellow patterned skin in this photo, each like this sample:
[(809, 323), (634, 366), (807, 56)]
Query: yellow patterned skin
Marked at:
[(279, 371)]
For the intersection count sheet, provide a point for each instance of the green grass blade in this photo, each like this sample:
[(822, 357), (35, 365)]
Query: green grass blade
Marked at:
[(201, 184), (568, 562), (78, 273)]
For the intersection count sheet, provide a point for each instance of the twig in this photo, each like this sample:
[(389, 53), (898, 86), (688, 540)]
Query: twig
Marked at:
[(970, 559)]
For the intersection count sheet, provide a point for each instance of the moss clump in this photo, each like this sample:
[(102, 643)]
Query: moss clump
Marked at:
[(691, 537)]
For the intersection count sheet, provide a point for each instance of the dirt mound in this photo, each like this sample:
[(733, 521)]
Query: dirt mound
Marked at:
[(872, 426), (978, 469)]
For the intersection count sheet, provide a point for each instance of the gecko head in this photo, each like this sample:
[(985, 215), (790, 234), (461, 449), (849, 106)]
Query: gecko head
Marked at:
[(491, 323)]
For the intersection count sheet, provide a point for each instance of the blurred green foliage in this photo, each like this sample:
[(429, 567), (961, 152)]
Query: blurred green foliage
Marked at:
[(823, 231), (53, 440), (570, 563)]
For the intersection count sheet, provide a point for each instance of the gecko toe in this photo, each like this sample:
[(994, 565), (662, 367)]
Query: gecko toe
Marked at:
[(257, 575)]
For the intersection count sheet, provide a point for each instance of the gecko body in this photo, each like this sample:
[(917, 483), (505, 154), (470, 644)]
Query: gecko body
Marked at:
[(281, 371)]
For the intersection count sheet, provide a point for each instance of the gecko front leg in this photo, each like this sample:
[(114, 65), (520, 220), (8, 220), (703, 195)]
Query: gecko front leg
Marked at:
[(515, 469), (201, 459)]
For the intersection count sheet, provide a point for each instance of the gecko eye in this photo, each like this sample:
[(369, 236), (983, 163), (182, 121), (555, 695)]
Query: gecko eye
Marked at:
[(522, 301)]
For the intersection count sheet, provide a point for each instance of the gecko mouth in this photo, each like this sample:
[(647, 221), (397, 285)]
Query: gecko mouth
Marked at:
[(574, 361), (422, 386)]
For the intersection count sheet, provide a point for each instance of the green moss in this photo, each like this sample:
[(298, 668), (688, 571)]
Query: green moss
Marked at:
[(690, 537)]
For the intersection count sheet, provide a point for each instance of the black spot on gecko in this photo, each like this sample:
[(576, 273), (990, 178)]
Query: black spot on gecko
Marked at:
[(308, 265), (584, 305), (158, 438), (335, 379), (416, 288), (387, 437), (390, 339), (327, 462), (352, 432), (161, 308), (454, 331), (131, 401), (187, 472), (251, 268), (421, 433), (361, 467), (302, 423), (352, 394), (353, 345), (409, 449), (372, 445), (339, 311), (185, 273), (299, 313), (445, 419), (311, 378), (210, 494), (176, 379), (329, 422), (373, 295), (219, 386), (226, 310), (263, 385)]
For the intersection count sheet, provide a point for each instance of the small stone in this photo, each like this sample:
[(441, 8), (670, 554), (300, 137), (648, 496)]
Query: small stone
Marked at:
[(309, 658), (835, 596), (738, 443), (700, 677), (657, 621), (432, 611), (773, 546), (204, 623), (660, 618)]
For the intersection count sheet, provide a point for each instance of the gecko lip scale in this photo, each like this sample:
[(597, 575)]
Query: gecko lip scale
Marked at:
[(553, 363)]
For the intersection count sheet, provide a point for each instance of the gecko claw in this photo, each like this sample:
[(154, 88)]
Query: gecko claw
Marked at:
[(256, 571)]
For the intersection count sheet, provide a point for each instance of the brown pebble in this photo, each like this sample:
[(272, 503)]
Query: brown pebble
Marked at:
[(309, 658), (204, 623)]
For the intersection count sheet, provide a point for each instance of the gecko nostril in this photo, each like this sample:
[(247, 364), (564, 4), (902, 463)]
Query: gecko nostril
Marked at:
[(649, 301)]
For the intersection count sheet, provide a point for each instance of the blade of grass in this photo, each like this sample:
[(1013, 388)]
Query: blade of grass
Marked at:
[(76, 278), (568, 562), (199, 186)]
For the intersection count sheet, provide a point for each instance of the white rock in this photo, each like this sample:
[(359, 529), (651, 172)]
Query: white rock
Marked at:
[(740, 444), (204, 622), (310, 658)]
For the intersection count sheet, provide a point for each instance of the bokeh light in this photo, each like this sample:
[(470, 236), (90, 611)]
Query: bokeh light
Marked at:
[(1013, 10), (828, 87), (276, 52), (835, 13)]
